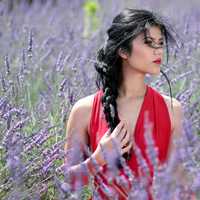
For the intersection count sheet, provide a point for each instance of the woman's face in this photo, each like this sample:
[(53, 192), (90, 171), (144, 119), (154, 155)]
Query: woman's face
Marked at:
[(146, 48)]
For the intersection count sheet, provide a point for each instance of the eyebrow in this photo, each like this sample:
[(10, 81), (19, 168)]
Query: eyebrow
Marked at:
[(154, 38)]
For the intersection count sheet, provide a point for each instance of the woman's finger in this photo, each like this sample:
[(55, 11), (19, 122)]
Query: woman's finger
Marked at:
[(127, 148), (122, 134), (118, 129), (108, 132), (126, 139)]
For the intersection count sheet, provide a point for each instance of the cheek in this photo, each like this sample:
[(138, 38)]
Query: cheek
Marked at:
[(140, 55)]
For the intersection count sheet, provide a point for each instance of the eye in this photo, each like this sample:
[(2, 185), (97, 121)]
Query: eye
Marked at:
[(161, 43), (152, 44), (148, 42)]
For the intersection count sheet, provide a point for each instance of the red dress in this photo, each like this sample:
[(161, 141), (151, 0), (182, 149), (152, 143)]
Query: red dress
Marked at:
[(155, 104)]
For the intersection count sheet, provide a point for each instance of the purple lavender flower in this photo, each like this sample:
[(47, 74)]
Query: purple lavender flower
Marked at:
[(3, 83), (30, 44), (7, 65)]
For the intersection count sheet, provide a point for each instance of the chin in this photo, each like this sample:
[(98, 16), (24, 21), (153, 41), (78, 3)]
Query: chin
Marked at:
[(155, 72)]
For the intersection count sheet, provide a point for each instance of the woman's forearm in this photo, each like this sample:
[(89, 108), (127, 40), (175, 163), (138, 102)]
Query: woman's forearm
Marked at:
[(82, 171)]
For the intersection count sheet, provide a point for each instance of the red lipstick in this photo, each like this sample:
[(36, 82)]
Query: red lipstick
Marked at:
[(158, 61)]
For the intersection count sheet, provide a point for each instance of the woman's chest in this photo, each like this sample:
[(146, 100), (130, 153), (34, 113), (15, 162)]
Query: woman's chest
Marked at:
[(130, 111)]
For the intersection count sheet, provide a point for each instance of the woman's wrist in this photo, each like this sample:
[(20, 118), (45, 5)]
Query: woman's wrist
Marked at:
[(93, 165), (99, 158)]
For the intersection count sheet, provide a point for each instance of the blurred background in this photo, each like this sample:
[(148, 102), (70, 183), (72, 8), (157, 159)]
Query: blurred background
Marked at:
[(47, 54)]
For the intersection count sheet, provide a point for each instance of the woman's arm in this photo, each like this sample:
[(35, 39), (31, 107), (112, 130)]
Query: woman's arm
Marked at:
[(77, 136), (77, 129), (177, 135), (76, 125), (177, 125), (177, 117)]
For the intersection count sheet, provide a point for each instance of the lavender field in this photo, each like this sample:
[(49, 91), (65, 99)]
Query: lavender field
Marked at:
[(47, 56)]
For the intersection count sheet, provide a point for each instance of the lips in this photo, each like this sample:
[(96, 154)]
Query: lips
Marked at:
[(158, 61)]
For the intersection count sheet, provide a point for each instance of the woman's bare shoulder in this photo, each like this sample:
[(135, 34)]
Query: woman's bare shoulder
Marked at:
[(81, 110), (175, 102), (84, 103), (79, 117), (77, 122), (175, 110)]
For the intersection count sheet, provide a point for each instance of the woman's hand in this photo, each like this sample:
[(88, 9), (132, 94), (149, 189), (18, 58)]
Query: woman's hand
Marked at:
[(120, 138)]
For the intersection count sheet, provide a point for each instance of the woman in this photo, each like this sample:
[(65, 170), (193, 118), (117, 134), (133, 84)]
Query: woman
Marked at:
[(135, 47)]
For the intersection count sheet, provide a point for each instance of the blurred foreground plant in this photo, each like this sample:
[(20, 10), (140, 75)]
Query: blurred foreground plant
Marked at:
[(47, 65)]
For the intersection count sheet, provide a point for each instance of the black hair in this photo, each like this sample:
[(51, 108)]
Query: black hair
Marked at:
[(126, 26)]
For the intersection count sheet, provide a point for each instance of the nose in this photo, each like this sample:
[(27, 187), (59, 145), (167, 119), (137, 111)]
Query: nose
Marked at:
[(158, 51)]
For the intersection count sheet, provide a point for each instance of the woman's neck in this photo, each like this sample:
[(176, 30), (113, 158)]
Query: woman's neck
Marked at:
[(133, 85)]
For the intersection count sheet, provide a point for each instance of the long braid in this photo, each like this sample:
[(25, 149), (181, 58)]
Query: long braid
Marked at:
[(110, 83), (110, 90), (110, 108)]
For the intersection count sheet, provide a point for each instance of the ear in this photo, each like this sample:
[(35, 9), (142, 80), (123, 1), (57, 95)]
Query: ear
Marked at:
[(123, 53)]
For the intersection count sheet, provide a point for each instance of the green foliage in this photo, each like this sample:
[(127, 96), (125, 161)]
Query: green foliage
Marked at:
[(91, 20), (91, 7), (86, 193)]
